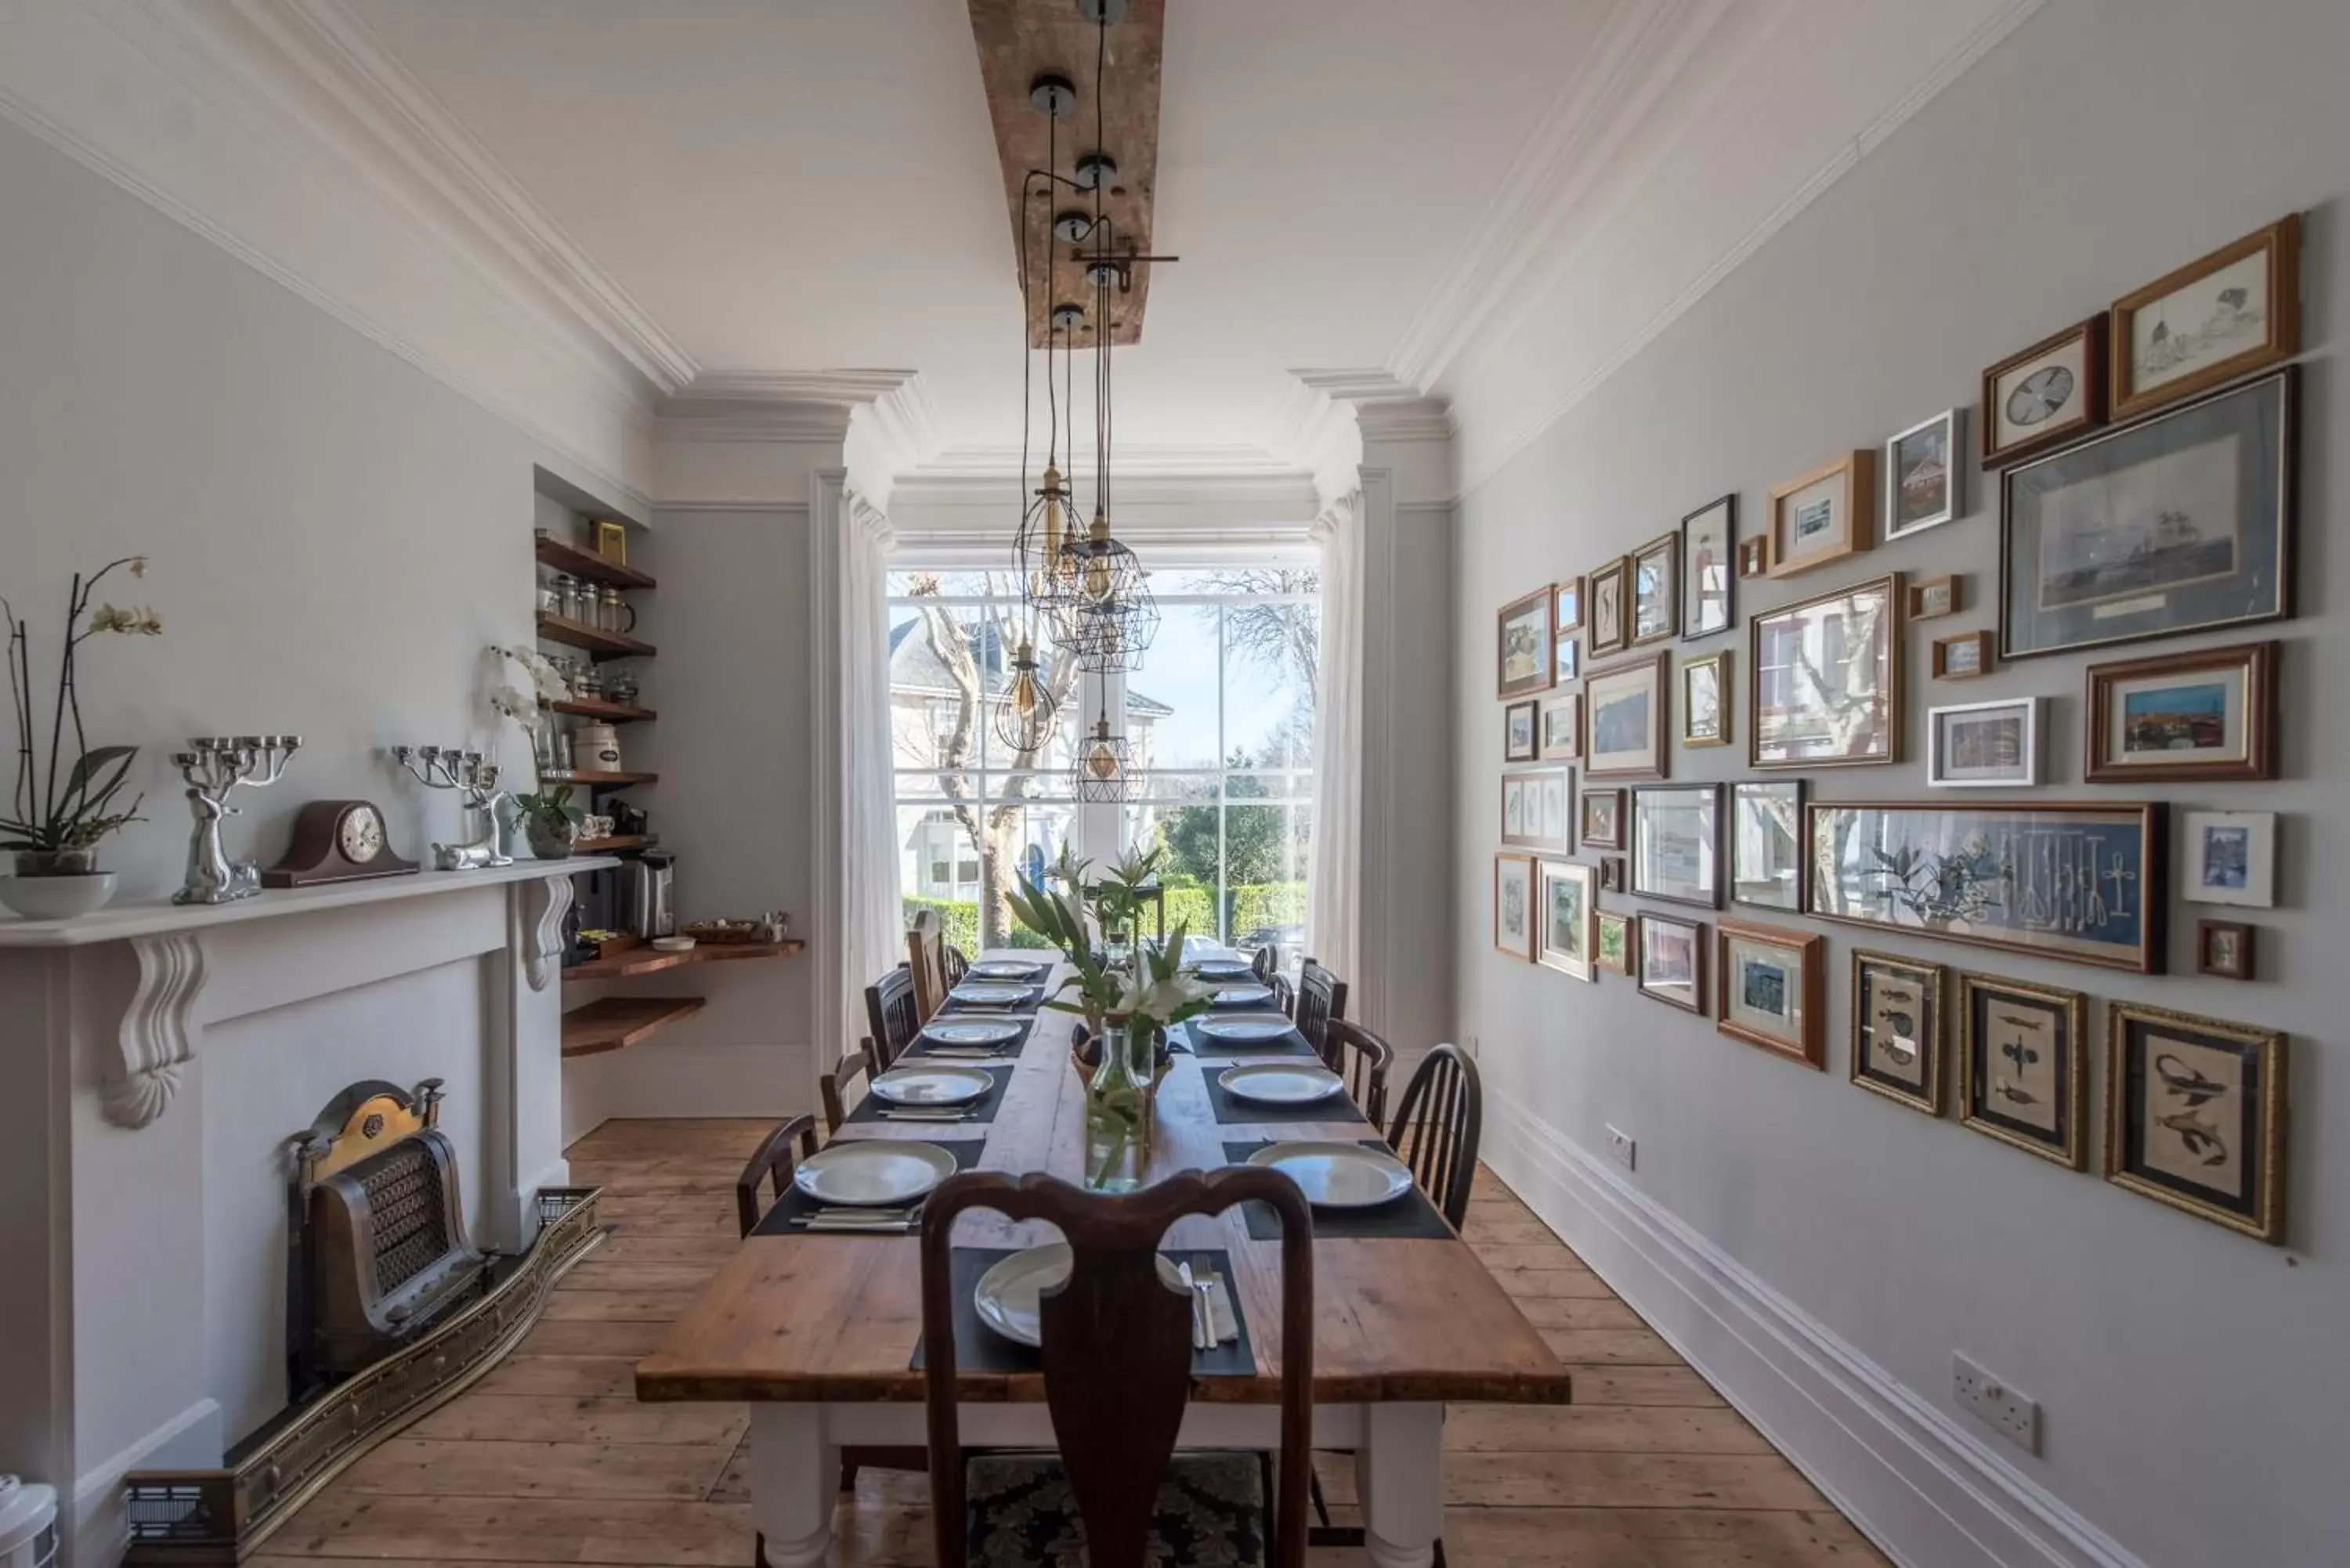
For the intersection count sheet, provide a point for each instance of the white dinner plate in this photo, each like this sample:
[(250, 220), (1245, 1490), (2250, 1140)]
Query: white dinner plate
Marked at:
[(1243, 996), (991, 995), (1006, 1296), (946, 1084), (1222, 969), (972, 1032), (1280, 1083), (879, 1170), (1245, 1031), (1001, 968), (1338, 1175)]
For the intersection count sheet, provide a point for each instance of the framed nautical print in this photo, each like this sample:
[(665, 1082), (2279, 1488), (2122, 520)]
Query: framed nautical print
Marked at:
[(1624, 734), (1610, 610), (1535, 809), (2223, 950), (2022, 1076), (1568, 937), (1603, 819), (1984, 745), (1657, 589), (1559, 737), (1705, 701), (2224, 315), (1615, 949), (1514, 906), (2179, 523), (1922, 469), (1518, 743), (2046, 395), (1566, 605), (2209, 714), (1766, 844), (1671, 960), (1677, 844), (2195, 1115), (1822, 515), (1526, 645), (1897, 1029), (2083, 882), (2230, 858), (1825, 684), (1770, 990), (1709, 568)]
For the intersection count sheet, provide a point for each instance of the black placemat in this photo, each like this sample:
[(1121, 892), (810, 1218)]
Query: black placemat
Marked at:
[(979, 1348), (977, 1113), (1290, 1044), (794, 1206), (1412, 1215), (1230, 1112), (923, 1045)]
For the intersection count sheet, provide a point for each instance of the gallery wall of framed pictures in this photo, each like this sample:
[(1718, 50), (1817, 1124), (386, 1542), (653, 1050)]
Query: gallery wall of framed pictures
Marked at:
[(2138, 483)]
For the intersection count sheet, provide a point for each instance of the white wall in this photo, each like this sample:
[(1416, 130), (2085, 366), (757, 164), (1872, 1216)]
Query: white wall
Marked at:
[(2192, 1380)]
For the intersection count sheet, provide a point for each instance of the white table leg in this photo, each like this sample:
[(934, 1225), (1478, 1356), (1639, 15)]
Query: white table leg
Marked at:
[(1400, 1476), (795, 1481)]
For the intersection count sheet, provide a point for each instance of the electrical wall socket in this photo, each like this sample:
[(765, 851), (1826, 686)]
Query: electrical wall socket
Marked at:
[(2013, 1416), (1620, 1146)]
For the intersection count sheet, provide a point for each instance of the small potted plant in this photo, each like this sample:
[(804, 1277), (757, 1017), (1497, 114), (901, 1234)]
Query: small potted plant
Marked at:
[(59, 814), (550, 822)]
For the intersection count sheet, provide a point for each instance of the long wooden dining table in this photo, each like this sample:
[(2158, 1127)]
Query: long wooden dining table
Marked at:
[(819, 1332)]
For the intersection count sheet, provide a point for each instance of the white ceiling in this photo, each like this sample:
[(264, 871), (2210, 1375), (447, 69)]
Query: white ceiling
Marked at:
[(804, 184)]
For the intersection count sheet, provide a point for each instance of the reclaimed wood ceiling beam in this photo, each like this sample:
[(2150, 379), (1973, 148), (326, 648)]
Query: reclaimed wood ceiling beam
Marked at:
[(1022, 40)]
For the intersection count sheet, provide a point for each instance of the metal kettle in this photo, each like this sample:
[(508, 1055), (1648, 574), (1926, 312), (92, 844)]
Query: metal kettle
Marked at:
[(649, 893)]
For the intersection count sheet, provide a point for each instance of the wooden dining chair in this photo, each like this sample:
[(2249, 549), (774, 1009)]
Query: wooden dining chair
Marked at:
[(1320, 999), (1436, 1126), (832, 1089), (782, 1149), (958, 965), (1118, 1373), (890, 1012), (1362, 1060), (925, 956)]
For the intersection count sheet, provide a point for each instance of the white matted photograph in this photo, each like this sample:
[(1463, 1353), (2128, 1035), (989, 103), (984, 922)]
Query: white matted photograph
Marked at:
[(2230, 858), (1984, 745), (1923, 472)]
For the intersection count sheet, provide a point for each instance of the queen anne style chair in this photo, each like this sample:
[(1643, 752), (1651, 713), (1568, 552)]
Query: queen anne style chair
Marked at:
[(1321, 1000), (925, 956), (1118, 1373), (1362, 1058), (890, 1010)]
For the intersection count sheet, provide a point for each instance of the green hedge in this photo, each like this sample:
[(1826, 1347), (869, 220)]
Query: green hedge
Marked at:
[(961, 921), (1251, 905)]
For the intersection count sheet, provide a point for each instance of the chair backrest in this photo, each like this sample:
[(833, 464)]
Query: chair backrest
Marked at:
[(1362, 1060), (957, 964), (1265, 963), (890, 1012), (786, 1146), (1118, 1349), (1321, 998), (926, 955), (1437, 1128), (1284, 996), (831, 1089)]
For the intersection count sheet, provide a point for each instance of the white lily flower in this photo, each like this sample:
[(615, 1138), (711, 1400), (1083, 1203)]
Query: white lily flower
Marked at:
[(1157, 1000)]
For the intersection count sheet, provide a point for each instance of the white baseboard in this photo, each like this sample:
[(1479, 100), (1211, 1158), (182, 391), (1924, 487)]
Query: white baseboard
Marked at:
[(98, 1530), (1929, 1493)]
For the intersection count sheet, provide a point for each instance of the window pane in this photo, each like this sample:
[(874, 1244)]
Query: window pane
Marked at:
[(1271, 653), (1170, 702), (1265, 859), (962, 865)]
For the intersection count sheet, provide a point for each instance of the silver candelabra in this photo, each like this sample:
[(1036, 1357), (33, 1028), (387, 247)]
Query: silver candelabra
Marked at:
[(439, 767), (216, 765)]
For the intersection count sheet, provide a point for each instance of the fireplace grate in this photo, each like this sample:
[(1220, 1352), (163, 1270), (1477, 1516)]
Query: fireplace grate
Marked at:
[(411, 1211)]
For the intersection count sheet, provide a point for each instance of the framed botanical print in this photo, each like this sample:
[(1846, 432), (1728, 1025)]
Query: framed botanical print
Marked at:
[(1709, 568), (1962, 656), (1897, 1029), (1922, 473), (1766, 843), (1566, 605), (1822, 515), (2021, 1066), (1568, 937), (1931, 598), (1984, 745), (2223, 950), (1535, 809), (1514, 906), (1559, 737), (1518, 741), (1770, 990), (2209, 714), (1610, 611), (2230, 858), (2181, 523), (1677, 844), (2056, 879), (2046, 395), (1657, 589), (1825, 684), (1625, 734), (1705, 701), (1670, 955), (2213, 320), (2195, 1115), (1603, 819), (1526, 644), (1615, 939)]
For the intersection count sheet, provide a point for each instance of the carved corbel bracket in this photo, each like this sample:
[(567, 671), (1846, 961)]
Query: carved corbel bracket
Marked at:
[(545, 901), (158, 1028)]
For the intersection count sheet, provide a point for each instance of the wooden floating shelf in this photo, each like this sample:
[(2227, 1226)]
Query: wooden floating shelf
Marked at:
[(597, 708), (613, 844), (645, 960), (601, 645), (617, 1023), (600, 781), (581, 562)]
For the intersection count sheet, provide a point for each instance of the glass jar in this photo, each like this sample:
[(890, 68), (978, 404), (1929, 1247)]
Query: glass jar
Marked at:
[(565, 589), (1118, 1111)]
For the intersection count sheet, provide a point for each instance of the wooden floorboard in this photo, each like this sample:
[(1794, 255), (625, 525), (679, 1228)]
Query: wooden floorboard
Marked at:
[(549, 1462)]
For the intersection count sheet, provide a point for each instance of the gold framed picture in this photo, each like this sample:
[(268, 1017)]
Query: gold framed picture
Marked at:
[(613, 541), (1705, 701), (1822, 515), (2045, 395), (2217, 317), (2195, 1115), (2022, 1076), (1898, 1022)]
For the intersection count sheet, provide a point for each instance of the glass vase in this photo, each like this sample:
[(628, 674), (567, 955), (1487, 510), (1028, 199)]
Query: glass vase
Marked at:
[(1118, 1112)]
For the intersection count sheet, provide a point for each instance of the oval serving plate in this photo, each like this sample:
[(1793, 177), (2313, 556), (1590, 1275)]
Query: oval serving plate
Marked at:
[(1338, 1175), (980, 992), (1243, 995), (1245, 1031), (1001, 968), (1006, 1296), (1280, 1083), (970, 1032), (875, 1171), (946, 1084)]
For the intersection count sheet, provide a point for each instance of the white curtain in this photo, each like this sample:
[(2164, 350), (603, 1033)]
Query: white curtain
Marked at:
[(1334, 871), (873, 922)]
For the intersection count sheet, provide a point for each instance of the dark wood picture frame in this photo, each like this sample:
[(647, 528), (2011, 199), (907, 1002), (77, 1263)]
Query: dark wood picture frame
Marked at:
[(1754, 556), (1516, 609), (1613, 876), (1647, 793), (1811, 951), (1914, 604), (1692, 589), (1526, 779), (1985, 655), (1802, 846), (1567, 606), (1591, 798), (1892, 688), (2238, 963), (1619, 572), (1657, 764), (2090, 416), (1531, 708), (2281, 241), (1696, 930), (1524, 954), (1667, 575), (2257, 664)]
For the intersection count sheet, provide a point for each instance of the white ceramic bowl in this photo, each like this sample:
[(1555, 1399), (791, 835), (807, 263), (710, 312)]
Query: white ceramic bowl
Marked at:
[(56, 898)]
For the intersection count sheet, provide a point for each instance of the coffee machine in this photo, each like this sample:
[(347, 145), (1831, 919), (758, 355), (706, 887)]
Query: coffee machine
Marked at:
[(648, 903)]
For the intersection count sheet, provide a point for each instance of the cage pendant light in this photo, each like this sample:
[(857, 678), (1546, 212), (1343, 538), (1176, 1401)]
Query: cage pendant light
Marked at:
[(1101, 772), (1026, 716)]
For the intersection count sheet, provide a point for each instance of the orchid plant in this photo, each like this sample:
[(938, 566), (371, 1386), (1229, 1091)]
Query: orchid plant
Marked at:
[(63, 822)]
